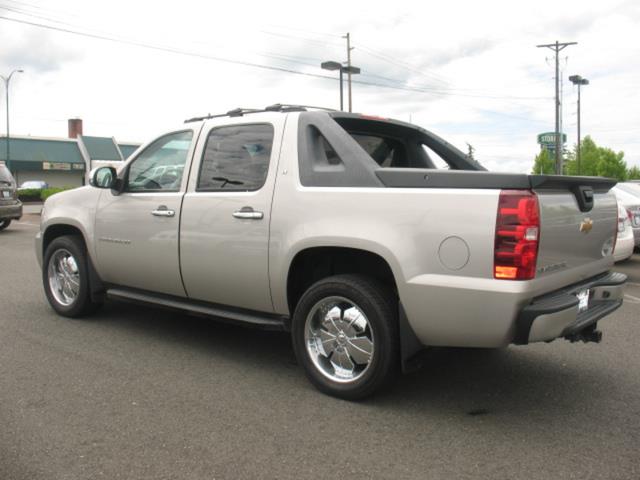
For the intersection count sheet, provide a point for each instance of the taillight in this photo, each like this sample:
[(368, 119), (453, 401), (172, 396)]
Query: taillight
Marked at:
[(630, 215), (517, 235)]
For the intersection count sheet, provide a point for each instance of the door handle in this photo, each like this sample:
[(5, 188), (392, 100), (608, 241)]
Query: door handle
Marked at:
[(163, 211), (248, 213)]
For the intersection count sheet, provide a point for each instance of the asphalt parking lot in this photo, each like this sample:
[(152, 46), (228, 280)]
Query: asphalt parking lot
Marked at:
[(137, 393)]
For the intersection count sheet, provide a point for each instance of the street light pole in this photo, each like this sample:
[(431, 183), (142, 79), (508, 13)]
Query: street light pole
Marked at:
[(350, 70), (6, 87), (341, 90), (579, 81)]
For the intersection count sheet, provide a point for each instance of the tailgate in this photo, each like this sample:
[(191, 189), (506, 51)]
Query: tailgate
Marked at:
[(578, 223)]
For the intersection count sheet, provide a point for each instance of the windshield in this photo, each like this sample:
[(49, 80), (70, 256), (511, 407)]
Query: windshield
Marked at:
[(5, 175), (632, 188), (627, 199)]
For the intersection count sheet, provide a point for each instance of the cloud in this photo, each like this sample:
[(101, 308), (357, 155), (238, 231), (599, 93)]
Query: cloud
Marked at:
[(499, 90), (35, 51)]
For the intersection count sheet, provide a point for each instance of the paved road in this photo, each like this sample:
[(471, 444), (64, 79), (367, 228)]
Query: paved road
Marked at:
[(134, 393)]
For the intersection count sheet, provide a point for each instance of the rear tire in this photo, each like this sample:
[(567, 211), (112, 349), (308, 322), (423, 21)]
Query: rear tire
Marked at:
[(4, 223), (65, 276), (345, 335)]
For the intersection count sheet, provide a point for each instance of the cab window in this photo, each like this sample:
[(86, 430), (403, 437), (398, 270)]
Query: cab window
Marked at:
[(236, 158)]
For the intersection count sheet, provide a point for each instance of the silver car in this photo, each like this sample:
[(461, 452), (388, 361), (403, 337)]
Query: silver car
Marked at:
[(10, 206), (628, 195)]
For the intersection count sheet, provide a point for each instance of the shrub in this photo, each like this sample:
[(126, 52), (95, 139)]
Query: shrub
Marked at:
[(47, 192), (29, 195)]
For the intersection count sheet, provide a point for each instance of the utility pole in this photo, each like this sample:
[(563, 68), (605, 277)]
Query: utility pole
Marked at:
[(6, 80), (557, 47), (348, 37)]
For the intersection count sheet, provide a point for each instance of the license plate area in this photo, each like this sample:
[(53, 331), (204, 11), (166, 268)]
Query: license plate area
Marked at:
[(583, 299)]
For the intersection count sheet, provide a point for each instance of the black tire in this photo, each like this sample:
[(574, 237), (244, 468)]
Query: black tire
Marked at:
[(379, 305), (5, 223), (82, 304)]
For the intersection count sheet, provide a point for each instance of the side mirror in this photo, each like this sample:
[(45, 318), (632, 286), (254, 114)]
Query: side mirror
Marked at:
[(103, 177)]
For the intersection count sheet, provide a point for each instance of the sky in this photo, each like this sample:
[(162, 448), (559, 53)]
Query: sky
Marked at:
[(467, 71)]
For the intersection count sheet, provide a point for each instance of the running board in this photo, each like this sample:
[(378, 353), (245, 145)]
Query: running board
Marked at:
[(235, 315)]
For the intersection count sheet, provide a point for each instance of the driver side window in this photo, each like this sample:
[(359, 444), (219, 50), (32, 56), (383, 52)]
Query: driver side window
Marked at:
[(160, 166)]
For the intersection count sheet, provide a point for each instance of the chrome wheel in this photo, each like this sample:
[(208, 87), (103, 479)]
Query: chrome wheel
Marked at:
[(64, 277), (339, 339)]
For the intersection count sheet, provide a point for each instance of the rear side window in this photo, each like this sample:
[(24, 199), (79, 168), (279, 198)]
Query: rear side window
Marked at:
[(236, 158)]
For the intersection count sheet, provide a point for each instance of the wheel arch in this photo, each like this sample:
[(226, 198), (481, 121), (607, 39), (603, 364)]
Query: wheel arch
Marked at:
[(314, 263), (57, 230)]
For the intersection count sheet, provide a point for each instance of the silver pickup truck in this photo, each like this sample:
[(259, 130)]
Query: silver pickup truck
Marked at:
[(342, 229)]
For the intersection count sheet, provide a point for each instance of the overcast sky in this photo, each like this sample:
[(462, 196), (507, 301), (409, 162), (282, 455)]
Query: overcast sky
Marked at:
[(468, 71)]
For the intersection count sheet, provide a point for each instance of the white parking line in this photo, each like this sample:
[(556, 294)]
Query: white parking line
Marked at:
[(632, 299), (27, 223)]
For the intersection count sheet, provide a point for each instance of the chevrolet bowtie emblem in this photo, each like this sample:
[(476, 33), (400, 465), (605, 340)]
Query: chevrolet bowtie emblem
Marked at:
[(586, 225)]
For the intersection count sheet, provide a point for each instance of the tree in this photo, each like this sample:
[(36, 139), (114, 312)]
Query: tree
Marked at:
[(544, 164), (596, 161), (471, 151), (633, 173)]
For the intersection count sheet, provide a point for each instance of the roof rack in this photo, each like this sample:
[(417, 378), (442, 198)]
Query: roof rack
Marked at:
[(276, 107)]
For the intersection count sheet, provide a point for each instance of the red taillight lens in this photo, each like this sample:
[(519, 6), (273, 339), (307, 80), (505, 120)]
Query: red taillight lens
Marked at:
[(517, 235)]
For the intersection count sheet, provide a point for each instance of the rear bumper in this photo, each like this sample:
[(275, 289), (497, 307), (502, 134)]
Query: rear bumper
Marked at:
[(624, 247), (636, 236), (11, 212), (556, 314)]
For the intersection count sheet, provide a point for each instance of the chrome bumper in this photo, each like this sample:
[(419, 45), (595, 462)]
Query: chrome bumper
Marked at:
[(557, 314)]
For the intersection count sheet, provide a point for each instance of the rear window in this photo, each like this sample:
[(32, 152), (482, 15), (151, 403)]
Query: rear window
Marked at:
[(386, 151), (394, 144)]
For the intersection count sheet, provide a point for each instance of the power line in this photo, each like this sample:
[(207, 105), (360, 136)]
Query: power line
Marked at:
[(418, 89), (435, 77), (400, 64), (395, 84)]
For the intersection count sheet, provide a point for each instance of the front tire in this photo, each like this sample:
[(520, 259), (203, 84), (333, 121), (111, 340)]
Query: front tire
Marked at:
[(65, 277), (5, 223), (345, 335)]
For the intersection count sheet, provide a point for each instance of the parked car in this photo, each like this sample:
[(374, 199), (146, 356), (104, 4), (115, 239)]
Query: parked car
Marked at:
[(625, 241), (339, 228), (10, 206), (33, 185), (631, 203), (632, 187)]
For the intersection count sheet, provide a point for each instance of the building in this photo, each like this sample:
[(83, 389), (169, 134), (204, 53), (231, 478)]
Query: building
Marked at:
[(62, 162)]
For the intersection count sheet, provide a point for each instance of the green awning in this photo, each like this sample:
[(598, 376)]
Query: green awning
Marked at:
[(42, 154)]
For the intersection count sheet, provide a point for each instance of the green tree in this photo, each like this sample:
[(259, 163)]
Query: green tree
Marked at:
[(596, 161), (633, 173), (543, 163)]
